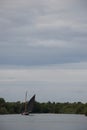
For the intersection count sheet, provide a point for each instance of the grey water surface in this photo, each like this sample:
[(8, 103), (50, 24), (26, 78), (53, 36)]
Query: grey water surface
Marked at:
[(43, 122)]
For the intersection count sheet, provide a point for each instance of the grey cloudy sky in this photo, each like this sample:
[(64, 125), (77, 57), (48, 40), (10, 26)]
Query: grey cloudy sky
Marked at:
[(43, 49)]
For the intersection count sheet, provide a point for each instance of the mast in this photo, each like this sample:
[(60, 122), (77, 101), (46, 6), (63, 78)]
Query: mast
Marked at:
[(26, 101)]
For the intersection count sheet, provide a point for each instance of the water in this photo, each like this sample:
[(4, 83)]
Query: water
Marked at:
[(43, 122)]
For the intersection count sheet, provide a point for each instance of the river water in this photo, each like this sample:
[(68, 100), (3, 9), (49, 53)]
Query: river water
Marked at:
[(43, 122)]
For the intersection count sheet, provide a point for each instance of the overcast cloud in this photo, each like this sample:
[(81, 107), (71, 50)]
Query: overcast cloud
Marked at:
[(43, 47)]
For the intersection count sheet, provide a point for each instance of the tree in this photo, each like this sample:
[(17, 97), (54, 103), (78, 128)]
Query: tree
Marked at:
[(2, 102)]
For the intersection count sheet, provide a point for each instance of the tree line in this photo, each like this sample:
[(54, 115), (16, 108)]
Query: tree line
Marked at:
[(48, 107)]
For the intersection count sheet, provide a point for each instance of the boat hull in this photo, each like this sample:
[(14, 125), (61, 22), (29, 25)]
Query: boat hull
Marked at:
[(25, 113)]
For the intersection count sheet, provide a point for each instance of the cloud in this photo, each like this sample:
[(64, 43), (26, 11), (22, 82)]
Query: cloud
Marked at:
[(27, 55), (65, 84), (47, 33)]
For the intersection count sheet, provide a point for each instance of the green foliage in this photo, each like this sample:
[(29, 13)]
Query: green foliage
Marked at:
[(2, 102), (3, 110), (37, 107), (80, 108), (66, 108)]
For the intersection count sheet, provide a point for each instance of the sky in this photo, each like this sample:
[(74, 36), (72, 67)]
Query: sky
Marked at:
[(43, 50)]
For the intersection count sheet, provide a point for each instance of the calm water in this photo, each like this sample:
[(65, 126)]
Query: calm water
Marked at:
[(43, 122)]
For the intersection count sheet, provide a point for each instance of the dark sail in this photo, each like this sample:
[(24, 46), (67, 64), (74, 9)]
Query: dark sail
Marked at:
[(28, 105), (31, 104)]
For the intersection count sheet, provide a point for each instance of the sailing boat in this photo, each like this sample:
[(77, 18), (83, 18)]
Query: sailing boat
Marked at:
[(28, 105)]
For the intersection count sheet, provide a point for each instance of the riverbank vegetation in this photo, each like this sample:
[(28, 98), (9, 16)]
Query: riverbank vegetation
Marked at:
[(49, 107)]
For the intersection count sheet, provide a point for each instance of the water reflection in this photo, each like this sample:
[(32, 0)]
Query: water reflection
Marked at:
[(43, 122)]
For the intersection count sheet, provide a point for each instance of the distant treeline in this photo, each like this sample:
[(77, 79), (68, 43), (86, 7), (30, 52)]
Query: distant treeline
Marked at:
[(49, 107)]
